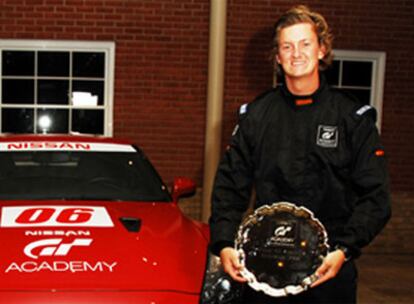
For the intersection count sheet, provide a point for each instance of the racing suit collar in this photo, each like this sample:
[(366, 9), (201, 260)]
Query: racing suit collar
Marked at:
[(303, 101)]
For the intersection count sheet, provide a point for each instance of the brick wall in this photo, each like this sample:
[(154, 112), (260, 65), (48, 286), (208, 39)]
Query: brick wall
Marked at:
[(161, 69), (398, 234)]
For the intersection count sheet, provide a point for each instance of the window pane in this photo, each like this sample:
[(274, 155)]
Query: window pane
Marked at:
[(88, 64), (93, 87), (357, 73), (361, 94), (18, 91), (53, 64), (332, 73), (17, 120), (38, 76), (53, 92), (88, 121), (18, 63), (58, 121)]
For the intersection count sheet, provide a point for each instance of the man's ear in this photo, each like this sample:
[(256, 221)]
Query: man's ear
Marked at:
[(322, 52), (277, 58)]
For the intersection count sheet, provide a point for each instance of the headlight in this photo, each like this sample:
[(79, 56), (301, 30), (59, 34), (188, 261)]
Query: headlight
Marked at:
[(218, 287)]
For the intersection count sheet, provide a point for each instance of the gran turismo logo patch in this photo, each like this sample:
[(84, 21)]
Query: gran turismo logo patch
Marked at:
[(327, 136)]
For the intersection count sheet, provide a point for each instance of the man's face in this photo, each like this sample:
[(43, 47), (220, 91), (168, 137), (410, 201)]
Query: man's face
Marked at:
[(299, 51)]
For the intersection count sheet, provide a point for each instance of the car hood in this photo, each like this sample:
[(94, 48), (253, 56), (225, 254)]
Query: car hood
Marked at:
[(56, 245)]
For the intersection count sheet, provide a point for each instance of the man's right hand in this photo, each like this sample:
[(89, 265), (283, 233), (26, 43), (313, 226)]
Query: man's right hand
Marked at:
[(230, 261)]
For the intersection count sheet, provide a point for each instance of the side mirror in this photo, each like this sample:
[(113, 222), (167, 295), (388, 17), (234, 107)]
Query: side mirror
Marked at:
[(182, 187)]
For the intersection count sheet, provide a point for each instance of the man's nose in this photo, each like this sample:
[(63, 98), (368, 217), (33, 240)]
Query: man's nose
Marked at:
[(296, 51)]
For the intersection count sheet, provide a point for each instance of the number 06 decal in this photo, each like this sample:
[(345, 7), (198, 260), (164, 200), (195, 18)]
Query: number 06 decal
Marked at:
[(55, 216)]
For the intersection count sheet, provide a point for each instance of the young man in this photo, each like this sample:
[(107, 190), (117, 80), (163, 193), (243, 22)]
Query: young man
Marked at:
[(311, 145)]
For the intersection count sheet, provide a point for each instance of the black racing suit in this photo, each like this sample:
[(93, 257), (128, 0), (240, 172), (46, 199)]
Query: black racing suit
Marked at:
[(320, 151)]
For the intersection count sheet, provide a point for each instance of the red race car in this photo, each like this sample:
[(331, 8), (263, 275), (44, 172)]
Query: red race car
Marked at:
[(89, 220)]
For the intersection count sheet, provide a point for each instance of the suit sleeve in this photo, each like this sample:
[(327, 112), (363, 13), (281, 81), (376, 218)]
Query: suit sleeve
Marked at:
[(232, 187), (370, 183)]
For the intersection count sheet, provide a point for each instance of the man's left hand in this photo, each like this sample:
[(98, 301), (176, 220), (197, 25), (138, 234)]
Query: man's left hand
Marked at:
[(330, 267)]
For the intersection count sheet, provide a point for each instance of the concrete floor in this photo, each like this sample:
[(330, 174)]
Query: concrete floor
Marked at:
[(386, 279)]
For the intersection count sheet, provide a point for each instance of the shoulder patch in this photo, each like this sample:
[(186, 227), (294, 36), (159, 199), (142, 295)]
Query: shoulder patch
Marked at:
[(363, 109), (366, 110), (243, 109)]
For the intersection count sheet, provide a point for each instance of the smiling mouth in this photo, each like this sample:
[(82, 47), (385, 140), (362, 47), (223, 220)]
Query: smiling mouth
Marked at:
[(294, 63), (298, 64)]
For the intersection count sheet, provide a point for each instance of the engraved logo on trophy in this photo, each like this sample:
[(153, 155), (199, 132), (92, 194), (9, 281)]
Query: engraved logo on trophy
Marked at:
[(280, 247)]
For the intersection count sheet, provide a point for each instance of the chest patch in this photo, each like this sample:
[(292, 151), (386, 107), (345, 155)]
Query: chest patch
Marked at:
[(327, 136)]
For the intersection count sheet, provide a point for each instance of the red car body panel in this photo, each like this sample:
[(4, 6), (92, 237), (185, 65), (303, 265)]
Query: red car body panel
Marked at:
[(98, 297), (45, 259)]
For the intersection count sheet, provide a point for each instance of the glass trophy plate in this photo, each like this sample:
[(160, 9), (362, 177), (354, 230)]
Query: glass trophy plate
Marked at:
[(281, 246)]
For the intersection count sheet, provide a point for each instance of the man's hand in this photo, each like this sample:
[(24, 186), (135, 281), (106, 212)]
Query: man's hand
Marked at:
[(230, 260), (330, 267)]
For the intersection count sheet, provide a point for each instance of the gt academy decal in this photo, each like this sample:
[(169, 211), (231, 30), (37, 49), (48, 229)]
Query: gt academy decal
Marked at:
[(57, 247), (327, 136), (55, 216), (53, 247), (61, 242), (61, 266), (64, 146)]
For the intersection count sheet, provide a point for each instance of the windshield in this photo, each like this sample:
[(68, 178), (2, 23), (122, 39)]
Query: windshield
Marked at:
[(79, 176)]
